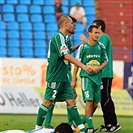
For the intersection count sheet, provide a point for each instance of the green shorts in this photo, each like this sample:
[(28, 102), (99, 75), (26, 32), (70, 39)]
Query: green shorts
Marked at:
[(90, 90), (58, 91)]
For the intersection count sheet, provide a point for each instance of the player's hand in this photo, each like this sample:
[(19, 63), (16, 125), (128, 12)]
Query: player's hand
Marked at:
[(96, 70), (83, 38), (73, 84), (88, 69)]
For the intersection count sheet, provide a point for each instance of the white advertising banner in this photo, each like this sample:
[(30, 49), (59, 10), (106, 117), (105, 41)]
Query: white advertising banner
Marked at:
[(19, 99), (23, 82), (22, 71)]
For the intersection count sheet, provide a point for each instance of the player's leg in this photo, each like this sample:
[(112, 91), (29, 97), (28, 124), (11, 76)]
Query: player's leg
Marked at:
[(108, 108), (93, 110), (107, 103), (44, 107), (88, 91), (67, 94), (48, 118), (72, 110), (42, 111), (70, 120)]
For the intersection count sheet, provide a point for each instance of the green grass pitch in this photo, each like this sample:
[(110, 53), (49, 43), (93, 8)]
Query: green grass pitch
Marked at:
[(27, 122)]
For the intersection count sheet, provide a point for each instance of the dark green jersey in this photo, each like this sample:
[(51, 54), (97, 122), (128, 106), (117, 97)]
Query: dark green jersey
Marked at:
[(107, 72), (92, 56), (57, 65), (69, 45)]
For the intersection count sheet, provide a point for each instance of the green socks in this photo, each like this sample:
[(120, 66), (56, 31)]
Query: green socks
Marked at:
[(76, 117), (41, 114), (70, 120), (49, 115), (89, 122), (84, 119)]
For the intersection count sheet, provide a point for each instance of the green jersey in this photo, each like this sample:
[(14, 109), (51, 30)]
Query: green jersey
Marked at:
[(69, 45), (107, 72), (57, 65), (93, 56)]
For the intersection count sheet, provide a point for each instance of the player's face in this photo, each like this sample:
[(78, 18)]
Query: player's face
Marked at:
[(71, 27), (71, 31), (94, 35)]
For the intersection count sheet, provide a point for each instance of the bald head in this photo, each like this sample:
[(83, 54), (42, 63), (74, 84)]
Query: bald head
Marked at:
[(63, 20)]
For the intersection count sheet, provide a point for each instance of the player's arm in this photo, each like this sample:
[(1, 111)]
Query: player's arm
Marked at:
[(99, 68), (77, 63), (75, 71), (75, 47)]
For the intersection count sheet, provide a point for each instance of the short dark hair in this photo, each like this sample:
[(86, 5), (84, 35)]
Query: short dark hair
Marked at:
[(73, 19), (91, 28), (63, 128), (100, 22)]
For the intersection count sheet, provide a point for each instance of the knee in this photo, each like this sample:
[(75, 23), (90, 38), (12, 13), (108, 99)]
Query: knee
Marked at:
[(71, 103), (47, 103)]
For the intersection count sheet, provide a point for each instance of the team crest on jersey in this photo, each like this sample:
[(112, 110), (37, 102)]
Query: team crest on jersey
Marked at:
[(63, 49)]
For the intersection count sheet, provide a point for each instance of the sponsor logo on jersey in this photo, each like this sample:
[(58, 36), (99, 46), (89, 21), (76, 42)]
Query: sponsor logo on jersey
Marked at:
[(93, 64)]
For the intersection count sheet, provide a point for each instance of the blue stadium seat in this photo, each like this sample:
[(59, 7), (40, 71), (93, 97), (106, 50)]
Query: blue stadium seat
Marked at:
[(27, 52), (13, 43), (79, 27), (14, 52), (26, 43), (26, 34), (49, 18), (39, 35), (89, 3), (38, 2), (48, 10), (40, 52), (8, 17), (36, 18), (77, 35), (3, 52), (26, 26), (8, 8), (2, 25), (2, 2), (13, 34), (49, 2), (25, 2), (21, 9), (65, 3), (76, 42), (39, 26), (35, 9), (22, 17), (40, 43), (2, 42), (50, 34), (0, 17), (73, 2), (90, 19), (52, 27), (90, 10), (13, 26), (65, 10), (3, 34), (14, 2)]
